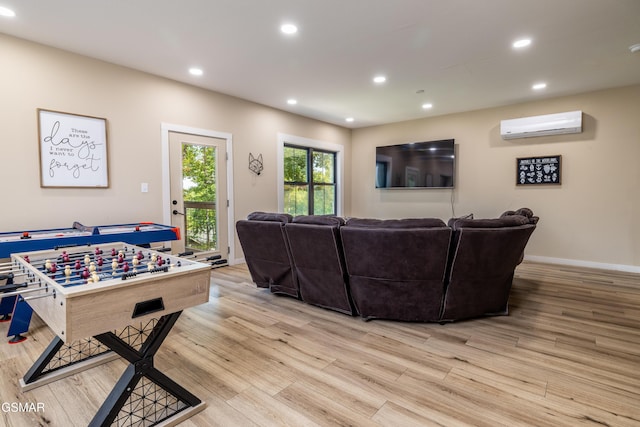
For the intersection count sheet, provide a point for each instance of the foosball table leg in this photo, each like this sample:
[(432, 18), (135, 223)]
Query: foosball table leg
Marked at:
[(60, 360), (43, 361), (155, 397)]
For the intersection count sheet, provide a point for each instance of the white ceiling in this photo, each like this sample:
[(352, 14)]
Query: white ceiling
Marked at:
[(457, 51)]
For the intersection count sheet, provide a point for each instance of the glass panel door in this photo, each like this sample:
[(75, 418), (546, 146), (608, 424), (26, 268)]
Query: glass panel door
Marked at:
[(198, 193)]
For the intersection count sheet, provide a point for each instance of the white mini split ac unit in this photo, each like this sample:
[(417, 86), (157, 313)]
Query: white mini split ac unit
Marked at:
[(548, 124)]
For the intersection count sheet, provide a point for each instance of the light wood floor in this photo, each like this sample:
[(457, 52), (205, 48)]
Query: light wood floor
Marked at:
[(568, 354)]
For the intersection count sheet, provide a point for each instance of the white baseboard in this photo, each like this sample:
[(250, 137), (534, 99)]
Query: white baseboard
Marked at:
[(579, 263), (237, 261)]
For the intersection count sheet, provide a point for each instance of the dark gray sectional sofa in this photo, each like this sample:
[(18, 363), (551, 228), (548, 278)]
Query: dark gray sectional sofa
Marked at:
[(419, 270)]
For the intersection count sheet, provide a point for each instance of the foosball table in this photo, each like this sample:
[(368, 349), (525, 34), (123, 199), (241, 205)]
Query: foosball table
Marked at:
[(13, 308), (101, 304)]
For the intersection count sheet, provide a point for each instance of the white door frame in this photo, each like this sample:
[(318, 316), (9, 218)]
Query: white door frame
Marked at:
[(166, 184)]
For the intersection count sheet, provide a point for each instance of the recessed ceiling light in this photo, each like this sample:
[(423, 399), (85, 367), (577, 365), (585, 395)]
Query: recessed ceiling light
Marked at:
[(427, 106), (288, 28), (349, 119), (539, 86), (196, 71), (379, 79), (292, 101), (635, 48), (521, 43), (7, 12)]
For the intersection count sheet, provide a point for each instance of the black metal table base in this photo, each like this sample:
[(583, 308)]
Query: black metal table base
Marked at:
[(143, 396)]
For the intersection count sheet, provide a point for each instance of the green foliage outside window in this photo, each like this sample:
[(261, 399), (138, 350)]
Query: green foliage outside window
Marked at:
[(296, 189), (323, 167), (302, 190), (295, 164), (199, 195)]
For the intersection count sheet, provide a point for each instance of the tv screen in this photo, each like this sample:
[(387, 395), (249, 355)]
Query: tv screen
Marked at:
[(429, 164)]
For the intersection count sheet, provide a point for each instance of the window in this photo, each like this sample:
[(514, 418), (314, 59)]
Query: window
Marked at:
[(309, 181), (309, 176)]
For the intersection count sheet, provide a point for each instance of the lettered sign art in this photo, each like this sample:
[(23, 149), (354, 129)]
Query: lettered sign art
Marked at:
[(73, 150)]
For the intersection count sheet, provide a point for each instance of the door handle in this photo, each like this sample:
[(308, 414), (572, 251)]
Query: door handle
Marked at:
[(175, 211)]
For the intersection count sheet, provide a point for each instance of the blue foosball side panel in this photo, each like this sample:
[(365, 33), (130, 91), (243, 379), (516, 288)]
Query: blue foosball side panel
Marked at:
[(78, 235), (6, 307), (20, 320)]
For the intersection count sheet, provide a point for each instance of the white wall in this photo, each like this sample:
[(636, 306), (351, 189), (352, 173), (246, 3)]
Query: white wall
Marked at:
[(592, 218), (135, 105)]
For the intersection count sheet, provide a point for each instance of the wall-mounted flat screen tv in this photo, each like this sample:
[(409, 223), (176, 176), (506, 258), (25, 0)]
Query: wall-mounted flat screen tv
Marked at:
[(429, 164)]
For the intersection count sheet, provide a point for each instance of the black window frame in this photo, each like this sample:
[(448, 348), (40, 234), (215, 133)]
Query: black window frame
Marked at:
[(309, 182)]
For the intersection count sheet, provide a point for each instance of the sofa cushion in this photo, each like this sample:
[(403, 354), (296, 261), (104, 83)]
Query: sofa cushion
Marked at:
[(267, 216), (506, 221), (319, 220), (453, 220), (525, 212), (395, 223)]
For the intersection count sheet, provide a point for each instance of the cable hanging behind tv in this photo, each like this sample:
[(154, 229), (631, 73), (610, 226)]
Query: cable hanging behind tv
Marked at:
[(429, 164)]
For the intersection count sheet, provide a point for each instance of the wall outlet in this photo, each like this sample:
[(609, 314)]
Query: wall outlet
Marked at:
[(144, 187)]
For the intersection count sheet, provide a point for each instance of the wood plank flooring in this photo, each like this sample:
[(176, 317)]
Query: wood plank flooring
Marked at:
[(568, 354)]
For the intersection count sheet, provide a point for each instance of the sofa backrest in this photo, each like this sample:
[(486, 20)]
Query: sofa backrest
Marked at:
[(266, 251), (484, 255), (318, 259), (396, 267), (396, 249)]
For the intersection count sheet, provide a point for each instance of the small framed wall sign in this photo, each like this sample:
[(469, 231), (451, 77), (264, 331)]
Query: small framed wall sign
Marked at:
[(538, 170), (73, 150)]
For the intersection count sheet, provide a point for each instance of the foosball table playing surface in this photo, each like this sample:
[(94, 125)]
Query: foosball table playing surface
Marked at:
[(99, 302)]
